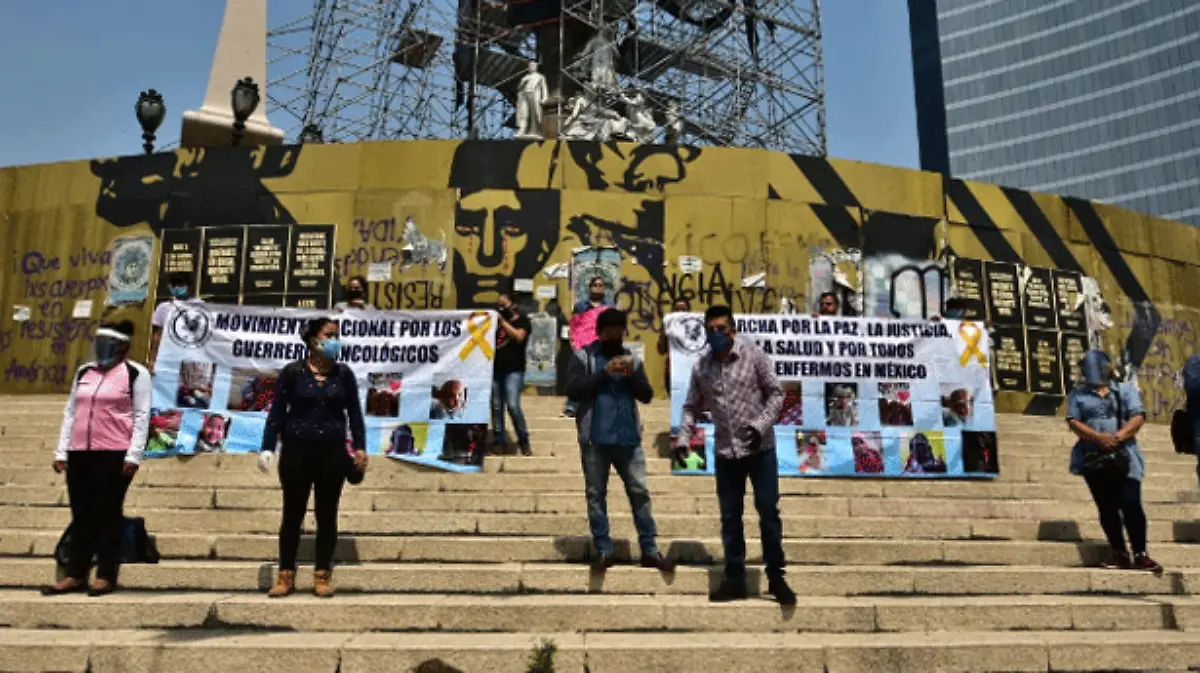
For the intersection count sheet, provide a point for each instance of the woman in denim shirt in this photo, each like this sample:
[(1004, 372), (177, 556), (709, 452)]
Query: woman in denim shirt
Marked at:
[(1092, 414)]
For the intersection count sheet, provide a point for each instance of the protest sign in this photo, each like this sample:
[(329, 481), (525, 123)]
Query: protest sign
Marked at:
[(862, 396), (424, 379)]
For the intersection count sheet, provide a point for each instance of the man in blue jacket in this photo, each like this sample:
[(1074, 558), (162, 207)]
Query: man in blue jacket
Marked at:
[(607, 382)]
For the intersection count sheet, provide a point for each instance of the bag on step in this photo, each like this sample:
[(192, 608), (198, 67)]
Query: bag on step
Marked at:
[(136, 544), (1182, 432)]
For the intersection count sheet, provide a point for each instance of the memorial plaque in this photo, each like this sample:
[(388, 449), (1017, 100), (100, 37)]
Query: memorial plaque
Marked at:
[(1045, 367), (1009, 370), (180, 254), (266, 260), (967, 275), (1073, 348), (221, 268), (263, 300), (310, 261), (1068, 288), (308, 301), (1037, 296), (1003, 293)]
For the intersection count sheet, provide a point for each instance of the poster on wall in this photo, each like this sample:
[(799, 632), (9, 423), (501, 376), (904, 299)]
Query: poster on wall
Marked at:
[(129, 277), (424, 379), (1009, 362), (589, 263), (863, 397), (254, 265), (541, 347)]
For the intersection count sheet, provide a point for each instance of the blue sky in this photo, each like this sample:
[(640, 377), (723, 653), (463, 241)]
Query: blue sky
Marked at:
[(73, 69)]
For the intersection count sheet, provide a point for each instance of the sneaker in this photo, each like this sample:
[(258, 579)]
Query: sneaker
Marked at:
[(658, 562), (730, 590), (602, 562), (1117, 560), (781, 591), (1144, 562)]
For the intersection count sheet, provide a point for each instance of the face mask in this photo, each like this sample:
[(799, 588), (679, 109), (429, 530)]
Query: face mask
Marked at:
[(330, 349), (179, 292), (720, 342), (611, 348), (354, 295), (108, 352)]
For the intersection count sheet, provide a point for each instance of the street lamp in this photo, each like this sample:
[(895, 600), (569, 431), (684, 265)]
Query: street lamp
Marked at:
[(245, 99), (311, 135), (150, 111)]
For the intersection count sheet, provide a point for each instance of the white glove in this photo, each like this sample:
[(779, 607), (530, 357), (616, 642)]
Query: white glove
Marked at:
[(265, 459)]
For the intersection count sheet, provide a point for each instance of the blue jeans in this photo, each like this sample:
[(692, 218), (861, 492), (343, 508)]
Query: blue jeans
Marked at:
[(762, 469), (630, 463), (506, 392)]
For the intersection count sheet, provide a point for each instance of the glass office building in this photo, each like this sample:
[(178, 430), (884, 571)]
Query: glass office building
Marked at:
[(1091, 98)]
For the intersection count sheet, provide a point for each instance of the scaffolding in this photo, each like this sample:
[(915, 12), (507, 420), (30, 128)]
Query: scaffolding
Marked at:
[(742, 73)]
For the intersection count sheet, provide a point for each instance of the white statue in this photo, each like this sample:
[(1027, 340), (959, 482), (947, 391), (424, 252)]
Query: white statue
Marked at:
[(641, 122), (581, 123), (674, 124), (602, 51), (531, 94)]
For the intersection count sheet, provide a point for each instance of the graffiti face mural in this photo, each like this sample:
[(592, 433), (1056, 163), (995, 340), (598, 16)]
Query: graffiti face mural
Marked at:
[(502, 232)]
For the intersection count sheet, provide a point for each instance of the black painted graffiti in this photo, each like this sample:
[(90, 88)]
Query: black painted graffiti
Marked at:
[(648, 301), (194, 187)]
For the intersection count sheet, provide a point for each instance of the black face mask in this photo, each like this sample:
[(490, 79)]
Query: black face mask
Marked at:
[(354, 294), (611, 348)]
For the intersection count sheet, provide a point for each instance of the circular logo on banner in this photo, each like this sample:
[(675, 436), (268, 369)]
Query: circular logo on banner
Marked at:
[(689, 333), (190, 327)]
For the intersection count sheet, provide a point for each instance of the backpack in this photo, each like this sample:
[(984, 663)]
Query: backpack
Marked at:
[(133, 374), (136, 545)]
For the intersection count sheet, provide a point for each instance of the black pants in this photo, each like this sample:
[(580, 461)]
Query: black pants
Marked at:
[(762, 471), (1120, 502), (304, 468), (97, 491)]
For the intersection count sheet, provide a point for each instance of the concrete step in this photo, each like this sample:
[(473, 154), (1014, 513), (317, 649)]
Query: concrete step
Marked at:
[(459, 547), (575, 503), (26, 609), (188, 650), (627, 578)]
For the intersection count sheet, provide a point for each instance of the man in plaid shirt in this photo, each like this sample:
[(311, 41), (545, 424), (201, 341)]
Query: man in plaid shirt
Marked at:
[(735, 382)]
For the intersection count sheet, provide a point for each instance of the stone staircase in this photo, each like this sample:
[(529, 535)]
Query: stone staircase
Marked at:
[(474, 571)]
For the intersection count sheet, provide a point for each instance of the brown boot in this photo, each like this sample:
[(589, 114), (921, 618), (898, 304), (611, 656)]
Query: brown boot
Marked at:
[(285, 584), (322, 584)]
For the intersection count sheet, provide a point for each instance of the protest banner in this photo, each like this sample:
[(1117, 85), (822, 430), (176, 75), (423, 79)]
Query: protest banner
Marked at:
[(862, 396), (424, 379)]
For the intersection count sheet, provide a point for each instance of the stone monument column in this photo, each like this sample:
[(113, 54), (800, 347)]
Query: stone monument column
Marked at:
[(241, 52)]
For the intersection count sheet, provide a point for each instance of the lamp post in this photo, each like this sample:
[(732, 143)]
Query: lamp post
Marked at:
[(311, 135), (245, 99), (150, 111)]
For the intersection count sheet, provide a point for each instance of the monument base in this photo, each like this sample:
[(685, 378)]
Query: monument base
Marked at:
[(207, 127)]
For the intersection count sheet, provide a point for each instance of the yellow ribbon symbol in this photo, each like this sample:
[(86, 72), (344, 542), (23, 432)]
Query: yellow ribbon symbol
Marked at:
[(971, 335), (479, 334)]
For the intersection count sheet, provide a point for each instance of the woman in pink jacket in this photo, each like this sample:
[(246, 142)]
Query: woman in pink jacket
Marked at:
[(99, 447)]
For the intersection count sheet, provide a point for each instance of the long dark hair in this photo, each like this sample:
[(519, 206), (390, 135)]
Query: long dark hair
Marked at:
[(313, 329)]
